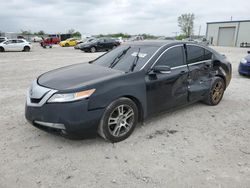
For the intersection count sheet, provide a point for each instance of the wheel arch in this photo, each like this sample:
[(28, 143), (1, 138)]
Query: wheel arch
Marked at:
[(139, 106), (223, 78)]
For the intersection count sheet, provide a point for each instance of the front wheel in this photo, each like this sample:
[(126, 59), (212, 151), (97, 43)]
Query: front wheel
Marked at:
[(66, 45), (93, 50), (119, 120), (1, 49), (216, 92)]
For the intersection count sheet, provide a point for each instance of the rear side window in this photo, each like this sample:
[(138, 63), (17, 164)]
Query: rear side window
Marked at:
[(208, 55), (20, 41), (196, 54), (172, 57)]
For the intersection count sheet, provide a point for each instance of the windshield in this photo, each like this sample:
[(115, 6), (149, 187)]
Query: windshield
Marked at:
[(126, 61)]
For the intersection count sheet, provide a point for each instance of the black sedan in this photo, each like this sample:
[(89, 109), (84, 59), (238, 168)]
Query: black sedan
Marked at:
[(111, 94), (100, 44)]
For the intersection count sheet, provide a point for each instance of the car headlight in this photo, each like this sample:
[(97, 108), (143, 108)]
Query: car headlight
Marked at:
[(68, 97), (243, 60)]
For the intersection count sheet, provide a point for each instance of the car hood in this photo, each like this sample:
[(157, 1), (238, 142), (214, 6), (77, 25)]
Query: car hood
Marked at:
[(248, 58), (76, 76)]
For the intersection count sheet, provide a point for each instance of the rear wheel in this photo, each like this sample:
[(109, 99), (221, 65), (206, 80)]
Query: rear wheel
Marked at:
[(216, 92), (66, 45), (93, 49), (1, 49), (119, 120), (26, 49)]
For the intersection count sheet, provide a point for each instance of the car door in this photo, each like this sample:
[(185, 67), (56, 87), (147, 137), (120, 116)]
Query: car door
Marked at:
[(10, 45), (169, 89), (100, 44), (199, 62), (20, 45), (106, 44)]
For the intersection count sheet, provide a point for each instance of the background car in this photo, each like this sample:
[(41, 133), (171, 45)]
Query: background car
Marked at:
[(3, 39), (49, 41), (111, 94), (15, 45), (68, 42), (79, 45), (100, 44), (244, 66), (37, 39)]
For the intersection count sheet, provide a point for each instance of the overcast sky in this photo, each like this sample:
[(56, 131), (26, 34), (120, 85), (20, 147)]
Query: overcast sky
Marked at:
[(158, 17)]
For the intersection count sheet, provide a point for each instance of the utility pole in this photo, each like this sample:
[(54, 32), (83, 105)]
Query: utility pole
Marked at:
[(231, 18)]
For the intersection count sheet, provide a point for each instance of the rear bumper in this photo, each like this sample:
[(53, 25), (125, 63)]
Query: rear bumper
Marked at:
[(244, 68), (72, 118)]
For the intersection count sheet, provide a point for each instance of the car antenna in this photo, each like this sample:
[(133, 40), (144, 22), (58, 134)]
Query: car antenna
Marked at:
[(135, 61)]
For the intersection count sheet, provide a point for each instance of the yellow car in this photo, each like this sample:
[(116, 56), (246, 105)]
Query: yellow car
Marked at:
[(68, 42)]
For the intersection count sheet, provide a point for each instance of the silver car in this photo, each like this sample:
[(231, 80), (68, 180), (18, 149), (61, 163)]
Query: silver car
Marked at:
[(15, 45)]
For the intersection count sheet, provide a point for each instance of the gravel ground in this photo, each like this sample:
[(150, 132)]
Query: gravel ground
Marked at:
[(196, 146)]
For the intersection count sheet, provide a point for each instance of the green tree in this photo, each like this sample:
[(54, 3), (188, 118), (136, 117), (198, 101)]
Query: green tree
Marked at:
[(77, 34), (186, 23), (41, 32), (25, 32), (71, 31)]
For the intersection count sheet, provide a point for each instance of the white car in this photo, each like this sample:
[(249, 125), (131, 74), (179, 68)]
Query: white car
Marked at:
[(15, 45), (36, 39)]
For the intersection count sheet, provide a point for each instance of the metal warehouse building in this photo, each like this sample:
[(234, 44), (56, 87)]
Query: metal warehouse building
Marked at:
[(228, 33)]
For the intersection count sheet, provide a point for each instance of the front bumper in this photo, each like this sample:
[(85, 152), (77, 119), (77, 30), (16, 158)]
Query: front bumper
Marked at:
[(72, 118), (244, 68)]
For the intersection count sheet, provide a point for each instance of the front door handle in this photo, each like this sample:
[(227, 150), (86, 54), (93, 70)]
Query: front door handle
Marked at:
[(182, 72)]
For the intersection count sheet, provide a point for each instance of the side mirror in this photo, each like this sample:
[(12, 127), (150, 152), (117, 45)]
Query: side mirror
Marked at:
[(163, 69)]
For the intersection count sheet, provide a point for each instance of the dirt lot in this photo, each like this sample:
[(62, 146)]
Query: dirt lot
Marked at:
[(197, 146)]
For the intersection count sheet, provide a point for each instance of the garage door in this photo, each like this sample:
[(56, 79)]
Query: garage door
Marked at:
[(226, 36)]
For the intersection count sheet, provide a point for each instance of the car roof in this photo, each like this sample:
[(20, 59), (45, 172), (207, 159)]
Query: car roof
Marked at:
[(156, 43), (160, 43)]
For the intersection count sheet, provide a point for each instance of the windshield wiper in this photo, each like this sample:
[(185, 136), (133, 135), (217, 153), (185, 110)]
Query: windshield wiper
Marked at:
[(117, 59), (135, 61)]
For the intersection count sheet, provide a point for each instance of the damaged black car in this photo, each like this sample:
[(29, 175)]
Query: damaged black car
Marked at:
[(114, 92)]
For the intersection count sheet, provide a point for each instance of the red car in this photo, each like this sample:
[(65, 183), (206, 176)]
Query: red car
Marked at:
[(49, 41)]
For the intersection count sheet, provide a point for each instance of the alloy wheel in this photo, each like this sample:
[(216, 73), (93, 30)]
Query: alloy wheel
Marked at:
[(217, 92), (121, 120)]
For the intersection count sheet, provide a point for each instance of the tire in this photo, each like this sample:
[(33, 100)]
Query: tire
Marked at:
[(92, 49), (66, 45), (119, 120), (26, 49), (1, 49), (216, 92)]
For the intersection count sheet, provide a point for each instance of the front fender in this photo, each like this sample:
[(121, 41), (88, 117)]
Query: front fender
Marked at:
[(130, 85)]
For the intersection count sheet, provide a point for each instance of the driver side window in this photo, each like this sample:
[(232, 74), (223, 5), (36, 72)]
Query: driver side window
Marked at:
[(173, 57)]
